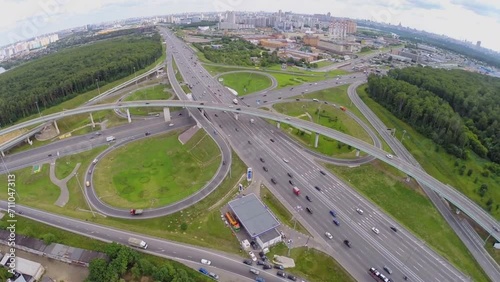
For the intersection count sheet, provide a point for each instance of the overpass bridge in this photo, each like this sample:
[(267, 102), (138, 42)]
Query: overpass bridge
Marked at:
[(475, 212)]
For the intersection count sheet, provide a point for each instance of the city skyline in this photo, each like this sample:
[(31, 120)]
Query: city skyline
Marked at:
[(463, 20)]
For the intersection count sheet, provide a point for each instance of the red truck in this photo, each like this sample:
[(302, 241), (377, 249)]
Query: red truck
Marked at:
[(296, 191), (343, 108), (135, 212)]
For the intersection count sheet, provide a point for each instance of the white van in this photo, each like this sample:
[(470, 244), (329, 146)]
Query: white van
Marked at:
[(87, 183)]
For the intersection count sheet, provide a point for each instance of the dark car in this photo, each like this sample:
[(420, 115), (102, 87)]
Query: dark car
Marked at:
[(279, 266), (147, 133), (262, 160), (290, 175), (322, 172), (309, 210), (216, 115), (336, 222), (387, 269), (248, 261), (238, 109), (333, 213), (264, 168), (260, 262), (281, 273), (291, 277), (347, 243), (267, 266), (290, 181), (223, 162), (394, 229), (236, 129), (254, 245), (309, 199), (50, 155), (272, 140), (297, 99), (317, 188), (273, 180)]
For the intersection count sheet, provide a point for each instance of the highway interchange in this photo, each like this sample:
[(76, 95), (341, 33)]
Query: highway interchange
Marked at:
[(405, 254)]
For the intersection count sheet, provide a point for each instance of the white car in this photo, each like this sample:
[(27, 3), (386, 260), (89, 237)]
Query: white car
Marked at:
[(329, 235), (206, 261), (389, 156), (285, 160), (171, 124), (375, 230), (254, 258), (360, 211)]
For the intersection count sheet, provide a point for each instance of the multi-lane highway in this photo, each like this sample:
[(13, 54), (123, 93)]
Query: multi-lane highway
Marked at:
[(253, 141), (401, 251)]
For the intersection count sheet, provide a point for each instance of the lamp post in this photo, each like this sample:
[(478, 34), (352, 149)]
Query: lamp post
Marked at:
[(83, 192), (36, 103), (97, 82), (403, 137)]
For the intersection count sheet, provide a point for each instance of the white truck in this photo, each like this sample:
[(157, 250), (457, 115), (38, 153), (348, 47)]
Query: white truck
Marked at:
[(110, 138), (235, 101), (138, 243), (252, 120)]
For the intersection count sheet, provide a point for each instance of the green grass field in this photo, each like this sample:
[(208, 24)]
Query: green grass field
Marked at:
[(313, 265), (246, 82), (325, 115), (155, 92), (338, 95), (279, 210), (156, 171), (324, 64), (409, 206), (203, 226), (441, 165)]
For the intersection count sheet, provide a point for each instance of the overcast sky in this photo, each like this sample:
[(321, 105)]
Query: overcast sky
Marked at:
[(462, 19)]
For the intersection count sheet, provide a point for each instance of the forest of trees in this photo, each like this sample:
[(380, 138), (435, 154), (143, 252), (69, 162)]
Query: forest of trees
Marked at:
[(58, 77), (456, 109), (127, 262), (78, 38)]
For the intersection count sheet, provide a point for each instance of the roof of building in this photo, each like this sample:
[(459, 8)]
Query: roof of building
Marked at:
[(253, 215), (269, 235)]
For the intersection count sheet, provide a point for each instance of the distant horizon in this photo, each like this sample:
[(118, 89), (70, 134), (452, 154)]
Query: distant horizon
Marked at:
[(458, 19), (177, 14)]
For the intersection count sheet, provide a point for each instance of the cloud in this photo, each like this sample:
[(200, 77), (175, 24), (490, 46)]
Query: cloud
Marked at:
[(425, 4), (480, 8)]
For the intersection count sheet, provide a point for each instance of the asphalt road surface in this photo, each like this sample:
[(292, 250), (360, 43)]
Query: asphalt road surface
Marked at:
[(401, 251)]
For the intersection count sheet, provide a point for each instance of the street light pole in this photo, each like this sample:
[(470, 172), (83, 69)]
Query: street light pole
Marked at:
[(97, 82), (36, 103), (403, 137)]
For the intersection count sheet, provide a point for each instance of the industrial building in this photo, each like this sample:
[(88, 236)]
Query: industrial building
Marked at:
[(257, 220), (26, 270)]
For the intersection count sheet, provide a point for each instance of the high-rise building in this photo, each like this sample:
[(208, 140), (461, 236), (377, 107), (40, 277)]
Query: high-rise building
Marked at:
[(478, 44), (340, 28), (230, 17)]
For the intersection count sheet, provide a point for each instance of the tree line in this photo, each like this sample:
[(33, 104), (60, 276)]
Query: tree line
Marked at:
[(58, 77), (124, 261), (75, 39), (474, 97)]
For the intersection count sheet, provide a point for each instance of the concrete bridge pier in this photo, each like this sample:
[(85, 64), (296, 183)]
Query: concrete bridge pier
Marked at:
[(166, 114), (92, 120), (3, 154), (316, 140), (57, 128), (29, 141), (278, 124), (128, 116)]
